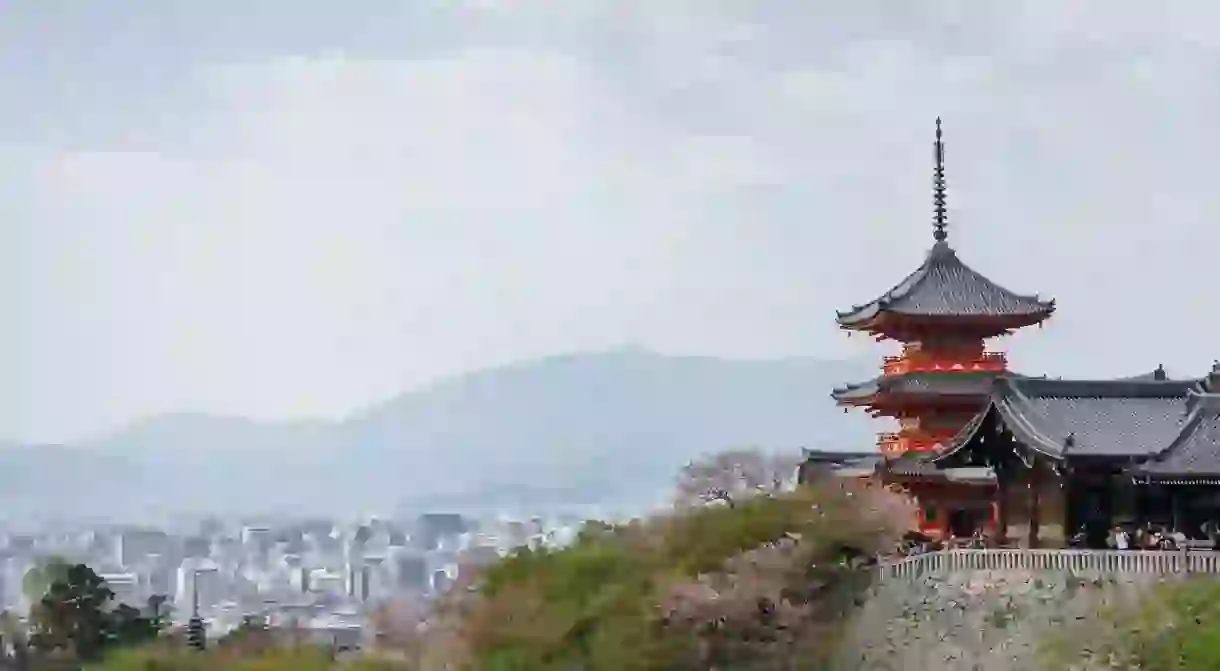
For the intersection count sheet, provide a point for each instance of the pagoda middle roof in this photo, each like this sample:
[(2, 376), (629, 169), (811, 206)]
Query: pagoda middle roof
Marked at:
[(944, 286), (946, 383)]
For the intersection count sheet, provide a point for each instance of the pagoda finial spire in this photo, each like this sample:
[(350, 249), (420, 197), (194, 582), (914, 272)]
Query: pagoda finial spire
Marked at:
[(938, 189)]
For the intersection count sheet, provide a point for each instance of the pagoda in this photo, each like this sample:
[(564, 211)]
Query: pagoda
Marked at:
[(943, 314)]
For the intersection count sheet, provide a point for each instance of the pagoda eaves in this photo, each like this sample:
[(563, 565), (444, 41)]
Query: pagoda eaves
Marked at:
[(945, 293), (971, 386)]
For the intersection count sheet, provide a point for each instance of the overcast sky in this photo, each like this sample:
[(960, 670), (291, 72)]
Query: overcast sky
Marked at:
[(294, 208)]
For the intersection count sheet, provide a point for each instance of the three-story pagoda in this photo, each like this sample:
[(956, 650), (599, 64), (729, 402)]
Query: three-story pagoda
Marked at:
[(943, 314)]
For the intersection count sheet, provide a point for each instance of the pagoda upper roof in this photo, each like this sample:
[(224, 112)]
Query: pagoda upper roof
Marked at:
[(1170, 426), (944, 287)]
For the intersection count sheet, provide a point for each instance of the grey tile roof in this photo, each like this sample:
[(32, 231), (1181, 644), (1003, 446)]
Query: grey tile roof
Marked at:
[(913, 464), (1155, 375), (948, 383), (1195, 451), (922, 465), (1085, 418), (835, 456), (944, 286)]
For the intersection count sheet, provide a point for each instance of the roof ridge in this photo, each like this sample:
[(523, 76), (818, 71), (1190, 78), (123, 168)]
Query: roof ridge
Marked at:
[(1099, 388)]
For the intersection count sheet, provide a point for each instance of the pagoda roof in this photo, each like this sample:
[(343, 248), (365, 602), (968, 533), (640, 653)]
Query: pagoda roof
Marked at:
[(946, 383), (944, 287), (922, 466), (1129, 419)]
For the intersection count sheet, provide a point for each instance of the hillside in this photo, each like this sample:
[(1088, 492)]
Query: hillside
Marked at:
[(605, 428)]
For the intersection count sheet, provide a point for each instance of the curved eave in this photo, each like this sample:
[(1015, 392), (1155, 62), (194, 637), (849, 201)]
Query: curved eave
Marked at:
[(879, 320), (949, 276), (1007, 405), (891, 387), (1024, 427), (856, 393), (1192, 453), (963, 437)]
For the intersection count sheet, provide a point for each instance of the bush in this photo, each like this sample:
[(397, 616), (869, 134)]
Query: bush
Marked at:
[(181, 658), (741, 586)]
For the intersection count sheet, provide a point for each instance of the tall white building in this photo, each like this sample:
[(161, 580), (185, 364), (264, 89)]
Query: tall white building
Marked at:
[(201, 574)]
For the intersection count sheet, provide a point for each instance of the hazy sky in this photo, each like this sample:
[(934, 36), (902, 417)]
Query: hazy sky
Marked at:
[(293, 208)]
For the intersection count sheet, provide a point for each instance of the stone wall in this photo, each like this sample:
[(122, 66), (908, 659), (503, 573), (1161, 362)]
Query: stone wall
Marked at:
[(994, 620)]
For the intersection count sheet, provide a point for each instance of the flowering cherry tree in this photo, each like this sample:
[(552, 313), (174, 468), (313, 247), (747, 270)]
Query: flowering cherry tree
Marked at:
[(730, 476)]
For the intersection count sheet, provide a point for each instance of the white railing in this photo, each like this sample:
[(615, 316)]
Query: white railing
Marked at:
[(1104, 562)]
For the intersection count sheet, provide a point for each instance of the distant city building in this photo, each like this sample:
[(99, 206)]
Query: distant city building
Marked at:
[(134, 545), (203, 575), (440, 581), (322, 581), (257, 538), (126, 587), (431, 527)]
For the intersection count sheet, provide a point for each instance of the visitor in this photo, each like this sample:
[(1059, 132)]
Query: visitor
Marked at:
[(1211, 531), (1121, 540)]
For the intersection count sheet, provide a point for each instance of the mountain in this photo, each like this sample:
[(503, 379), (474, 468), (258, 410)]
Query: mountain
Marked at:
[(608, 428)]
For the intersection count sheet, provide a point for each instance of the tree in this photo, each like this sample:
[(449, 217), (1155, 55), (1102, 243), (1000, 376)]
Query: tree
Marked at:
[(71, 616), (155, 603), (40, 577), (16, 635), (755, 584), (729, 477)]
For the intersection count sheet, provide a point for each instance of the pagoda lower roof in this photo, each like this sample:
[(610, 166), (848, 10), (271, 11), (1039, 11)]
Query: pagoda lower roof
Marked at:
[(928, 383), (1161, 430), (922, 466), (944, 287)]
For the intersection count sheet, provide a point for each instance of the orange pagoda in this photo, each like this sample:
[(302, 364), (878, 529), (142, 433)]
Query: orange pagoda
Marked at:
[(943, 314)]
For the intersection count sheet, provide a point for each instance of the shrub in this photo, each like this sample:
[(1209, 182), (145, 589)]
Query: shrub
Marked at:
[(746, 585)]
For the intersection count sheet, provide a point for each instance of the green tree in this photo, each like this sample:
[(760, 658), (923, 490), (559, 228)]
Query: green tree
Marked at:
[(754, 584), (40, 577), (126, 625), (72, 616)]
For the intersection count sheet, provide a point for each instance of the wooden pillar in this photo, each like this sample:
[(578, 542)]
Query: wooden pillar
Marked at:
[(1071, 507), (1035, 491), (1002, 493), (1141, 506)]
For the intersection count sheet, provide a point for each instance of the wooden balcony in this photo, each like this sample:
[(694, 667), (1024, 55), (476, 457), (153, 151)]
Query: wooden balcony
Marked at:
[(987, 362)]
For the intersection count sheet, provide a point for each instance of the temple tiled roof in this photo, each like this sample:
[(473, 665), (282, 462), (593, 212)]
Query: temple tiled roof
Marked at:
[(948, 383), (944, 286), (1195, 452), (1156, 375), (1131, 418)]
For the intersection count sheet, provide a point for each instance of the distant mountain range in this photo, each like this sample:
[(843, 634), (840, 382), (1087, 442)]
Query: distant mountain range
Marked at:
[(608, 428)]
